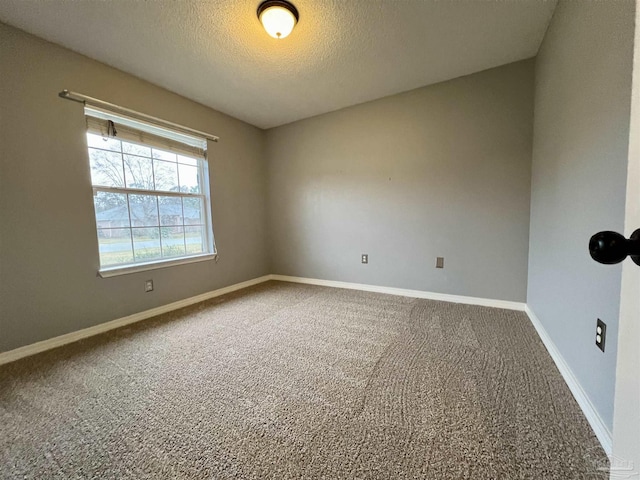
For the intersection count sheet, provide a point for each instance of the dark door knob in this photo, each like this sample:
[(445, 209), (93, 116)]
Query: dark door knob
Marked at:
[(611, 247)]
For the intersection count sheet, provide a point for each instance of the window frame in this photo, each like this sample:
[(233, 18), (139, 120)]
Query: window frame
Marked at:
[(204, 197)]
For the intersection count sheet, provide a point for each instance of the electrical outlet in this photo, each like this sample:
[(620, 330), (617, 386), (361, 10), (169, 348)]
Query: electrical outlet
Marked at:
[(148, 286), (365, 258), (601, 334), (439, 262)]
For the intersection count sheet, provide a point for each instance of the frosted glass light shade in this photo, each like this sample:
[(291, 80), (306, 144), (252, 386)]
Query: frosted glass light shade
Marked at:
[(278, 20)]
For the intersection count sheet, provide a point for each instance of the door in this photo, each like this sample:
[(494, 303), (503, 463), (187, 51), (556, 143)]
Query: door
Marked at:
[(625, 462)]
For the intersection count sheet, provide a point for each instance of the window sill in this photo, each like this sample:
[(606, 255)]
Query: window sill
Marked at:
[(143, 267)]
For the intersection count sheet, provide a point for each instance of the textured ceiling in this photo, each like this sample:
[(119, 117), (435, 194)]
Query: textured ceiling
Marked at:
[(342, 52)]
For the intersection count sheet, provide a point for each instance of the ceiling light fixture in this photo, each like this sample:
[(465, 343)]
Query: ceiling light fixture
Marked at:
[(278, 17)]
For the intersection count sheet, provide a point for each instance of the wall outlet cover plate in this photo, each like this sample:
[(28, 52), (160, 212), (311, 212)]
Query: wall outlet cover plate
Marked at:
[(601, 334)]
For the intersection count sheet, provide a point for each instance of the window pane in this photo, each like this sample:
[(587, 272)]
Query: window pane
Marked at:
[(187, 160), (115, 246), (193, 211), (112, 210), (188, 178), (172, 241), (138, 172), (105, 143), (162, 155), (146, 244), (136, 149), (195, 240), (106, 168), (166, 176), (144, 210), (170, 211)]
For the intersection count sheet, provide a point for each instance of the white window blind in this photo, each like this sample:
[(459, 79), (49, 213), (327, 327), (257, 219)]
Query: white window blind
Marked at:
[(136, 131)]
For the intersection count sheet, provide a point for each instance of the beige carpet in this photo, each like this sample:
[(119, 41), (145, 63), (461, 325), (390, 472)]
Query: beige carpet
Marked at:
[(284, 381)]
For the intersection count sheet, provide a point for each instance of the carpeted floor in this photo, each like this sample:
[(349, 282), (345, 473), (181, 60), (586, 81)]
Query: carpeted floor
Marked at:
[(284, 381)]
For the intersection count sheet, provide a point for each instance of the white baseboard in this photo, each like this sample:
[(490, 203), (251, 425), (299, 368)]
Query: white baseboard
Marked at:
[(28, 350), (444, 297), (593, 417)]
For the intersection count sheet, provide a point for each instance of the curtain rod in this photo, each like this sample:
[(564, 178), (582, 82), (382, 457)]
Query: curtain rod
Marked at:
[(86, 100)]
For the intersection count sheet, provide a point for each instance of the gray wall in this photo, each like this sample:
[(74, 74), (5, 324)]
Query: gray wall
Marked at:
[(581, 133), (48, 246), (443, 170)]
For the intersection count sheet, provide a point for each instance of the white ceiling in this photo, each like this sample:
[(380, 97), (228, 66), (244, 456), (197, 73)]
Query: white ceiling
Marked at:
[(342, 52)]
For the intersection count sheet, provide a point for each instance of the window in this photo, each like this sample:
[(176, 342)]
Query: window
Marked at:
[(151, 194)]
